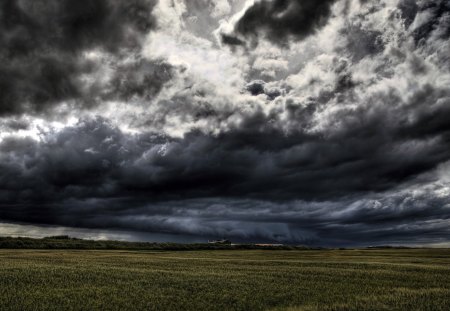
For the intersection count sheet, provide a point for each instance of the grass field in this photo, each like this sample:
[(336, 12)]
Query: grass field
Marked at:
[(377, 279)]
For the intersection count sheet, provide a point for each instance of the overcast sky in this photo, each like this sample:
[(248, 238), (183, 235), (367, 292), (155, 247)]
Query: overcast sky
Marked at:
[(291, 121)]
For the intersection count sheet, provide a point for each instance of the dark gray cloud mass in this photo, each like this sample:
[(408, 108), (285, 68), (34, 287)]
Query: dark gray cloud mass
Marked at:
[(438, 17), (280, 20), (92, 171), (347, 144), (42, 46)]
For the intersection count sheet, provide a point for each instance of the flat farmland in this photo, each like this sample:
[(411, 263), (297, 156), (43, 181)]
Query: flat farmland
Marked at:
[(372, 279)]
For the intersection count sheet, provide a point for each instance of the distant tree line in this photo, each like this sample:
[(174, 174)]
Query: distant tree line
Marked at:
[(66, 242)]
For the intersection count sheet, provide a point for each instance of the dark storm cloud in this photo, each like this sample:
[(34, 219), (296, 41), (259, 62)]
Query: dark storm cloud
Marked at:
[(230, 40), (152, 182), (42, 44), (280, 20), (258, 87), (417, 217), (349, 148), (438, 20), (371, 148), (408, 9)]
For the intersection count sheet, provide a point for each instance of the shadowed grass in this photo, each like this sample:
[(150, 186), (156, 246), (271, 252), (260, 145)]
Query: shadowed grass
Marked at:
[(392, 279)]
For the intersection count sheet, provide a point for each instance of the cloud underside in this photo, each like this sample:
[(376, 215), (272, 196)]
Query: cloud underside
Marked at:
[(332, 129), (281, 20), (46, 46)]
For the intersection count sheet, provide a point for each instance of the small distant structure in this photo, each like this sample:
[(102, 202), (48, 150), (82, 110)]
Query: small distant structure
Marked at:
[(221, 242)]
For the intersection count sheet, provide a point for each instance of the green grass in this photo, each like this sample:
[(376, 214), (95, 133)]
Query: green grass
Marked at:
[(377, 279)]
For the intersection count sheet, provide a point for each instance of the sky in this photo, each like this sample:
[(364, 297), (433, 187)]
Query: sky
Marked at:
[(321, 123)]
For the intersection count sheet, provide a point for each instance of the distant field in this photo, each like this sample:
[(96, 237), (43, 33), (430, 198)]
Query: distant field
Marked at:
[(407, 279)]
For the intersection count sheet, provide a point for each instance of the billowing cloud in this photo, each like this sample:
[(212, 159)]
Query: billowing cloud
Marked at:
[(332, 130), (45, 48), (280, 20)]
